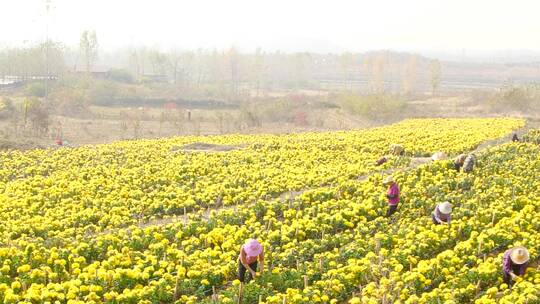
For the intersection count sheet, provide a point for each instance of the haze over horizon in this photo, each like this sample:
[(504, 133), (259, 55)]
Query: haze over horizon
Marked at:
[(452, 29)]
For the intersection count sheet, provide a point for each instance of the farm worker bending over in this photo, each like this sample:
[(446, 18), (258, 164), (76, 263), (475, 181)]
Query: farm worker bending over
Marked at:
[(250, 253), (397, 149), (514, 264), (458, 162), (392, 194), (381, 161), (438, 156), (442, 213), (469, 163), (515, 137)]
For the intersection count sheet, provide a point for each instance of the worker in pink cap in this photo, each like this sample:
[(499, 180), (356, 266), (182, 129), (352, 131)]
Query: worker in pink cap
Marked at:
[(250, 253)]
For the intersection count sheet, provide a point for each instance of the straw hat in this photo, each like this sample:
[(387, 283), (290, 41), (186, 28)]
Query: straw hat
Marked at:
[(445, 208), (438, 156), (519, 255), (389, 179), (253, 248)]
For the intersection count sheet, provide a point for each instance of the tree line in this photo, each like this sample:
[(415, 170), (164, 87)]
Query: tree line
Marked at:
[(229, 72)]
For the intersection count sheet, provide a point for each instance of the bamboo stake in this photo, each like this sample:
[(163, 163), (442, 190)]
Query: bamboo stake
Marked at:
[(214, 294), (377, 245), (240, 293), (176, 291), (480, 246)]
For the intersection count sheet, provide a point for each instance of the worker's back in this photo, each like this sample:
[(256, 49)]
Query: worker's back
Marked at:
[(469, 163), (397, 149)]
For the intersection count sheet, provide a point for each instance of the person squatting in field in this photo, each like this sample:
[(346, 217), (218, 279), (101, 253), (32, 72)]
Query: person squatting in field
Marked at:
[(458, 162), (397, 150), (469, 163), (514, 263), (251, 253), (392, 195), (442, 213), (381, 161)]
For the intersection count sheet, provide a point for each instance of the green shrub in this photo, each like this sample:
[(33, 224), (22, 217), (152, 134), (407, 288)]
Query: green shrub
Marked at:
[(120, 75), (373, 107), (520, 98), (36, 89), (533, 136), (103, 92), (6, 107)]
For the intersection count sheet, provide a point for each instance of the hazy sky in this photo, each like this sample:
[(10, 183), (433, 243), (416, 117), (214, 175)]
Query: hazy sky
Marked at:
[(291, 25)]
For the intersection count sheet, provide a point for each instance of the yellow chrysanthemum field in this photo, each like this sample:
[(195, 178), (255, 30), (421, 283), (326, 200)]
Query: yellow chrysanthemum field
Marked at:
[(147, 221)]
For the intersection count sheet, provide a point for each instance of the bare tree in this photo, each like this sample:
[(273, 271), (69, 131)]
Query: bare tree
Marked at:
[(346, 63), (378, 68), (410, 77), (158, 60), (232, 56), (174, 60), (89, 47), (200, 66), (435, 70), (257, 69)]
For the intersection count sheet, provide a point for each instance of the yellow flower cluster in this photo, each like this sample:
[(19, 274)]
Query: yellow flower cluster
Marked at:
[(413, 261), (329, 245)]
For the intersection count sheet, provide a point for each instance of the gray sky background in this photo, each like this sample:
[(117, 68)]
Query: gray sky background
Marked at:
[(301, 25)]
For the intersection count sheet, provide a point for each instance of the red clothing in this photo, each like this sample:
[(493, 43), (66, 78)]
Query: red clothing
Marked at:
[(393, 194)]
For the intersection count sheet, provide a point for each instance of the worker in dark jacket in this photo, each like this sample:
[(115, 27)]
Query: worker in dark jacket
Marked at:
[(515, 137), (469, 163), (458, 162), (381, 161)]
